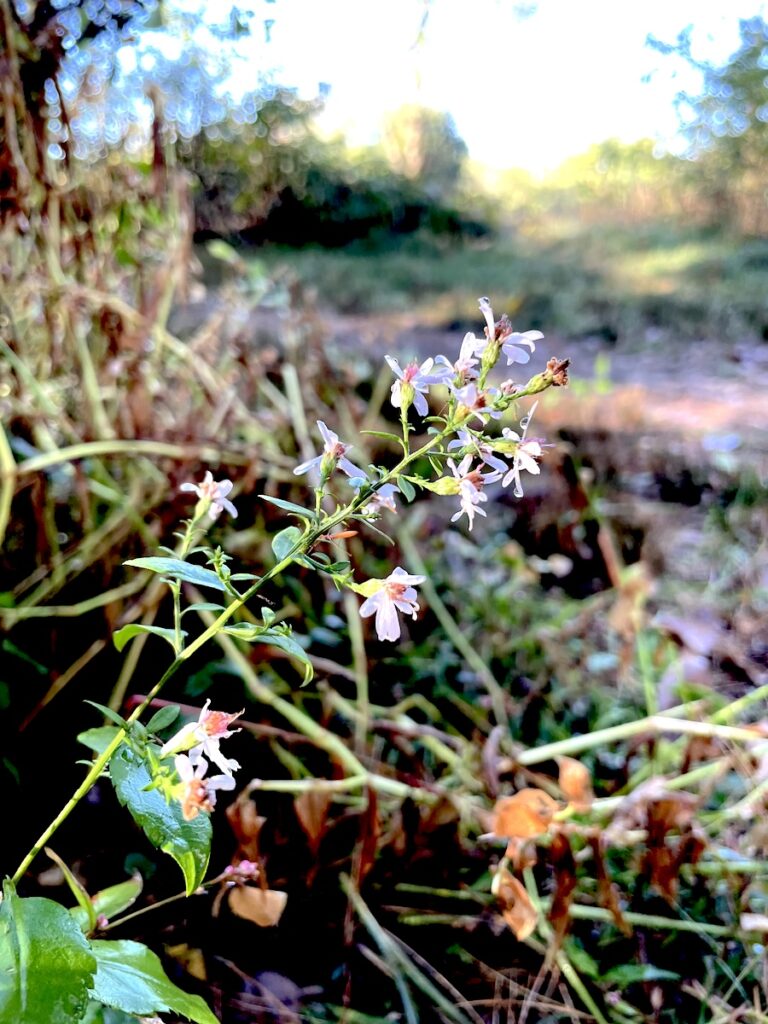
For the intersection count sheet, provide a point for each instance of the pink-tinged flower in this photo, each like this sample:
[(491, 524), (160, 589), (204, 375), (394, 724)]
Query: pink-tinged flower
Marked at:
[(413, 383), (514, 346), (479, 403), (384, 497), (332, 455), (471, 483), (464, 367), (197, 793), (481, 449), (526, 453), (202, 738), (215, 493), (395, 594)]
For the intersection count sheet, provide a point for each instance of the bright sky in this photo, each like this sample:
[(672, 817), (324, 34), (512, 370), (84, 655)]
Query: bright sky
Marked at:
[(524, 91)]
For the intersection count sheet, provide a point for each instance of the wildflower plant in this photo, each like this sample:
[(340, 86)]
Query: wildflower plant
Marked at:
[(51, 963)]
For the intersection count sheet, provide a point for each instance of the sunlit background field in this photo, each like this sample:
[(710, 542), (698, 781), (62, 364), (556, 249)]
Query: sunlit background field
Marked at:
[(214, 224)]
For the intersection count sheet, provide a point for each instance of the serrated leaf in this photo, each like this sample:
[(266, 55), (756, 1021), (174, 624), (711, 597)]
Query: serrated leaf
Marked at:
[(285, 542), (130, 977), (46, 965), (163, 718), (288, 506), (121, 637), (188, 842), (99, 738), (285, 642), (407, 489), (179, 570)]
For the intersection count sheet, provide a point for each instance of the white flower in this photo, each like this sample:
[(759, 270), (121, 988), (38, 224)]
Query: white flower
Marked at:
[(197, 793), (384, 497), (332, 455), (471, 483), (485, 309), (203, 738), (477, 402), (395, 594), (482, 449), (413, 383), (464, 367), (216, 493), (525, 456), (514, 345)]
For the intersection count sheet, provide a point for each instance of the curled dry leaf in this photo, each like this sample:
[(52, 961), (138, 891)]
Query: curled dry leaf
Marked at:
[(312, 811), (576, 783), (262, 906), (607, 891), (564, 866), (246, 823), (524, 815), (516, 907), (521, 854)]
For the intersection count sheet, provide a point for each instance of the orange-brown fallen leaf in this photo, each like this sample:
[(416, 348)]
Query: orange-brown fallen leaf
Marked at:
[(524, 815), (262, 906), (576, 783), (516, 907)]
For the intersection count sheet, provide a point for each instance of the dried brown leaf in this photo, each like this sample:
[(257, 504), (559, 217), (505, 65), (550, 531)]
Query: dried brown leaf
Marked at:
[(262, 906), (312, 811), (564, 866), (246, 823), (516, 907), (576, 783), (607, 891), (524, 815), (521, 853)]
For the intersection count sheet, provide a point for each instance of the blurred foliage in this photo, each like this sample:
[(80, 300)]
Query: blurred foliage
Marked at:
[(423, 146), (726, 125)]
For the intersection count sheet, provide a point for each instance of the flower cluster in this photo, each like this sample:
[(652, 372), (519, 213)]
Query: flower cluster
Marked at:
[(473, 456), (197, 791)]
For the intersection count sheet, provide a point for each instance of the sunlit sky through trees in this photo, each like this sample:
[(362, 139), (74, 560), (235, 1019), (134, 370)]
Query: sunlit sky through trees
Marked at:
[(527, 84)]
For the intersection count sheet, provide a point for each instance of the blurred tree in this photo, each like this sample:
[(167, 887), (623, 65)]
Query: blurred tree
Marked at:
[(726, 123), (424, 147)]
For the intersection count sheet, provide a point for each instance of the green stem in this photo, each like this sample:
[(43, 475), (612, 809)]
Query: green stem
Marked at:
[(304, 544)]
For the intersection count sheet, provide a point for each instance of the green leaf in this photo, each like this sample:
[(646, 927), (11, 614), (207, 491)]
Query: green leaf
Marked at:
[(383, 433), (285, 642), (628, 974), (46, 966), (285, 541), (203, 606), (126, 633), (109, 713), (130, 977), (188, 842), (78, 890), (163, 718), (178, 570), (247, 631), (406, 488), (110, 901), (98, 739), (288, 506)]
